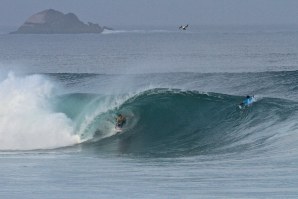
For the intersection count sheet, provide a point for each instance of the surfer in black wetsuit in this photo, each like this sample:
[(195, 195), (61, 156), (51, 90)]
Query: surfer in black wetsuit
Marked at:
[(120, 120)]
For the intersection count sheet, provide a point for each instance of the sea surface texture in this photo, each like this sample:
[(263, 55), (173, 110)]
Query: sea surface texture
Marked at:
[(185, 136)]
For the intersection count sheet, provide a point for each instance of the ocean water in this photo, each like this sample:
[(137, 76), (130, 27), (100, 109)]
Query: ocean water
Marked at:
[(185, 136)]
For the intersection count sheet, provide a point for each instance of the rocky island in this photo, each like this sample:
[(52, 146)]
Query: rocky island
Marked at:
[(54, 22)]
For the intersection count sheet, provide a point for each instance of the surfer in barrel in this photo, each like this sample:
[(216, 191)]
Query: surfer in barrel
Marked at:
[(120, 120)]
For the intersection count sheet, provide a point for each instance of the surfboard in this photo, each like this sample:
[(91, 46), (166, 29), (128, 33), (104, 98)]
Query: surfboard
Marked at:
[(118, 129), (240, 106)]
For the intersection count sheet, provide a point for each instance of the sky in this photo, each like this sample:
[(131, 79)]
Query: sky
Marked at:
[(158, 12)]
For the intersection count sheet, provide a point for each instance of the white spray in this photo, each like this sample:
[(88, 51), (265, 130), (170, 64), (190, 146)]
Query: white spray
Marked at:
[(26, 118)]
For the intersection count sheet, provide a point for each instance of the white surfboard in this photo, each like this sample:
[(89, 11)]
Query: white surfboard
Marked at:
[(118, 129)]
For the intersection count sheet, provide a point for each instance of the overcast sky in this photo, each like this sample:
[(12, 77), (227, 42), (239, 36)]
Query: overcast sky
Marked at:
[(158, 12)]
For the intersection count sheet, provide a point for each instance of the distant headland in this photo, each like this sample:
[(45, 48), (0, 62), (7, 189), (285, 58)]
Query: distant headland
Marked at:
[(51, 21)]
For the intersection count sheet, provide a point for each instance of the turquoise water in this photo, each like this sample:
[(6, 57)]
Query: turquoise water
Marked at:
[(185, 136)]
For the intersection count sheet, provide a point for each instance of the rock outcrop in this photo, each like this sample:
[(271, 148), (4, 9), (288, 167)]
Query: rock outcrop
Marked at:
[(54, 22)]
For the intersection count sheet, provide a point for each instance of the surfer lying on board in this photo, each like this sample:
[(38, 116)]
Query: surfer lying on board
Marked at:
[(120, 120), (247, 101)]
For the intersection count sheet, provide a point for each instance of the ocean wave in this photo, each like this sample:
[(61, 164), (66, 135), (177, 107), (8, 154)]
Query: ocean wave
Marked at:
[(167, 122), (160, 121)]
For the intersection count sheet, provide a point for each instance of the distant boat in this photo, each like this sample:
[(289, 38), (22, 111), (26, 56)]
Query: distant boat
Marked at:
[(183, 27)]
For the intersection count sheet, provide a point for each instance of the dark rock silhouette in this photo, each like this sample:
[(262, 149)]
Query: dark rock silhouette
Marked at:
[(54, 22)]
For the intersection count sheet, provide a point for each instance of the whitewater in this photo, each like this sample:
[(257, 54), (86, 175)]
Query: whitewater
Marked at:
[(185, 136)]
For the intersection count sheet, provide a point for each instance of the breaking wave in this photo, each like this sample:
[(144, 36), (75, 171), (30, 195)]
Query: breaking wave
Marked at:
[(27, 120), (174, 122), (160, 121)]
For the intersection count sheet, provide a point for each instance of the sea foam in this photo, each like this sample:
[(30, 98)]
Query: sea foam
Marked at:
[(27, 120)]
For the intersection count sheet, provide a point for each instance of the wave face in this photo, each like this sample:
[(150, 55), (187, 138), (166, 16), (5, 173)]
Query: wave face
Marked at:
[(165, 122), (160, 121)]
